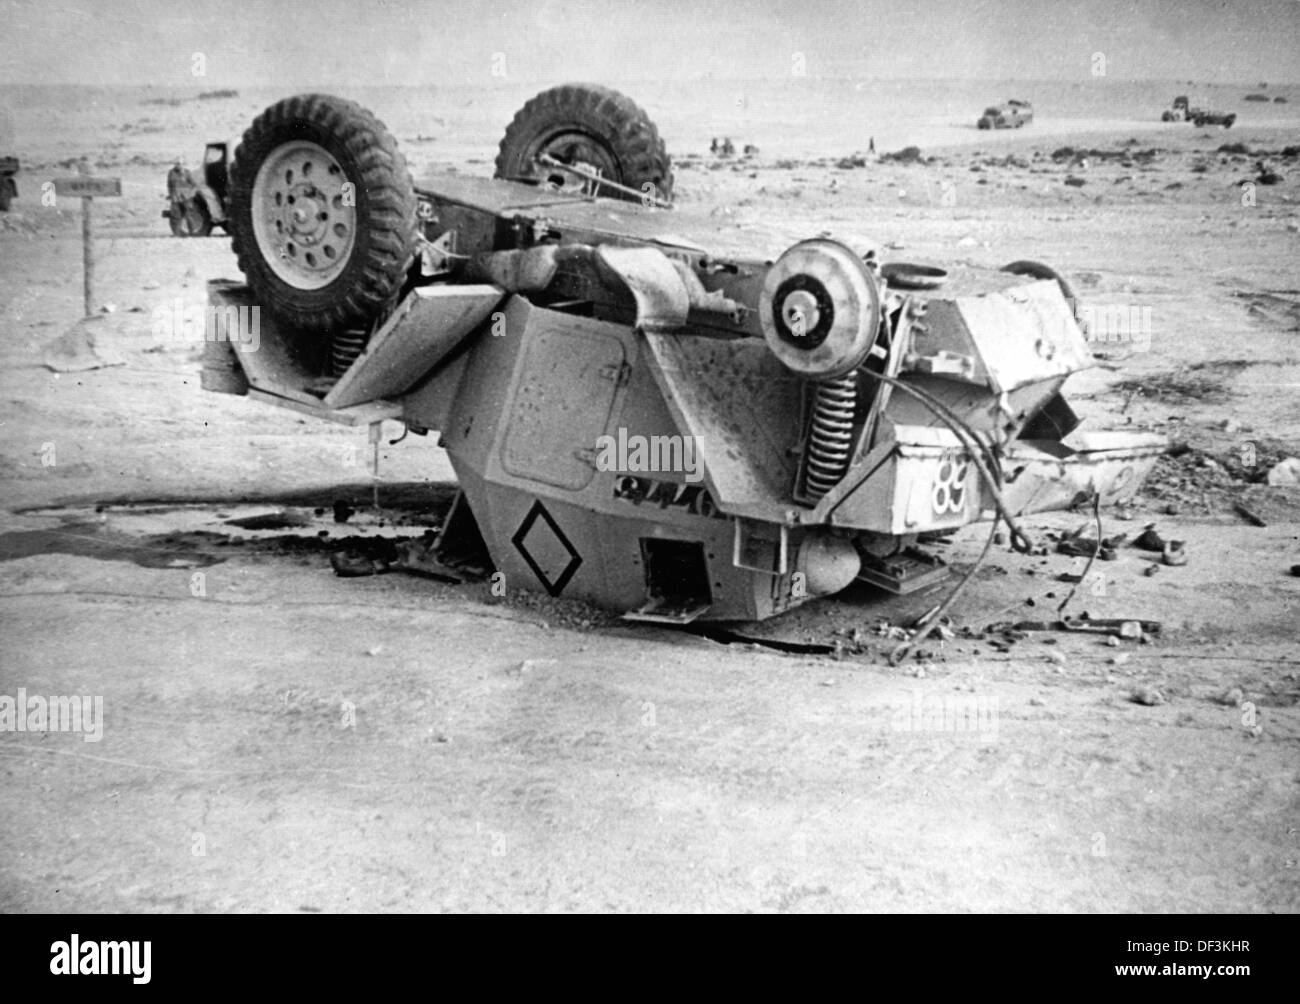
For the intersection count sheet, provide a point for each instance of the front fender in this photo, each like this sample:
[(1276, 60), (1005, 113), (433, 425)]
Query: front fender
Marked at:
[(216, 210)]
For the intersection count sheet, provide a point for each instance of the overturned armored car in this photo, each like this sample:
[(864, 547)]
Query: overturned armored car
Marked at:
[(641, 413)]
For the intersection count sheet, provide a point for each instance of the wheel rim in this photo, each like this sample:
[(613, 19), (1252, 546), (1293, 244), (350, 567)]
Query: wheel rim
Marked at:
[(192, 221), (303, 218), (577, 149)]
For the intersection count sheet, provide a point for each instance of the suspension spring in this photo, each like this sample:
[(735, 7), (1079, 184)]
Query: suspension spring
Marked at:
[(830, 435), (345, 346)]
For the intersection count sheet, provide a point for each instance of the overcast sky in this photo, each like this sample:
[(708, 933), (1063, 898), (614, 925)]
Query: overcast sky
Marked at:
[(316, 42)]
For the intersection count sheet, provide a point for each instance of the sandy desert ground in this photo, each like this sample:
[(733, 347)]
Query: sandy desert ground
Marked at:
[(291, 741)]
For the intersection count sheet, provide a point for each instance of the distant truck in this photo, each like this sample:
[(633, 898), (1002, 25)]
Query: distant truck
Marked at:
[(8, 187), (1183, 111), (1011, 115), (195, 206)]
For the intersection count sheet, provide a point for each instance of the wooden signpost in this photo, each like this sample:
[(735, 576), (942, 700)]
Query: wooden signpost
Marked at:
[(88, 188)]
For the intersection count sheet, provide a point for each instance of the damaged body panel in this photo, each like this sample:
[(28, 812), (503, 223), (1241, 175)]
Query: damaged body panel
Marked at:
[(643, 414)]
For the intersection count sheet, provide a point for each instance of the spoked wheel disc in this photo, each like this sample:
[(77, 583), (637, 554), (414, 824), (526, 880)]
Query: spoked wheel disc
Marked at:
[(592, 129), (579, 151), (322, 213), (304, 215)]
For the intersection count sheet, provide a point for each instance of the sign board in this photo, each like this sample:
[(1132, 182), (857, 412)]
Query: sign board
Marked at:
[(84, 186)]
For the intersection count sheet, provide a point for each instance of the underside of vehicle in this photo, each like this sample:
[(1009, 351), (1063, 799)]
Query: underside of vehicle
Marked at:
[(641, 410)]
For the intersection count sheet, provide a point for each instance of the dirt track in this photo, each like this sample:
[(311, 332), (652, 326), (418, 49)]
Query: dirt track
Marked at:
[(398, 744)]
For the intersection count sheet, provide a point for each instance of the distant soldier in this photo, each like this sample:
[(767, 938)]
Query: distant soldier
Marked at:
[(728, 148), (180, 182), (871, 145), (713, 147)]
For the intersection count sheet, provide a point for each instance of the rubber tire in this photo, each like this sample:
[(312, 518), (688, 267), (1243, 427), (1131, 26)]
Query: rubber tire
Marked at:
[(385, 240), (622, 127), (194, 205), (1037, 270)]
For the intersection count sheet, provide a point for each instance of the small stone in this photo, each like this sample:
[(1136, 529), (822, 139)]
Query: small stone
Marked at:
[(1285, 473), (1112, 641), (1131, 629), (375, 651), (1148, 696), (1171, 509), (528, 665), (1119, 660), (1231, 698)]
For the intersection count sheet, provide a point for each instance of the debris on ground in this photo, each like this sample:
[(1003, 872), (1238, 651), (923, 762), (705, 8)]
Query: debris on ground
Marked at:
[(1148, 696), (907, 155), (80, 348), (1286, 473)]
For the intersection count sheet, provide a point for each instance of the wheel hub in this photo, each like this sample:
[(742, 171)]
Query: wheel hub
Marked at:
[(583, 153), (304, 214)]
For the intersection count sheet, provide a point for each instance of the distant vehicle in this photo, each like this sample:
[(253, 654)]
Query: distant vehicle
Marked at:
[(1256, 97), (8, 187), (1011, 115), (1183, 111), (1178, 112), (1214, 118), (195, 207)]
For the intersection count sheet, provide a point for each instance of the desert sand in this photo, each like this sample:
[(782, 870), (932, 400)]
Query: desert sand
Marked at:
[(280, 739)]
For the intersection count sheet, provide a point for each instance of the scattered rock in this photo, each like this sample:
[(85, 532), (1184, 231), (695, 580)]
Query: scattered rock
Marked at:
[(1147, 696), (1285, 473), (907, 155), (79, 348), (528, 665)]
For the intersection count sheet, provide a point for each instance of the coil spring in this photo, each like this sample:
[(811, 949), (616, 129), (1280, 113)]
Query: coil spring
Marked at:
[(345, 346), (830, 435)]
